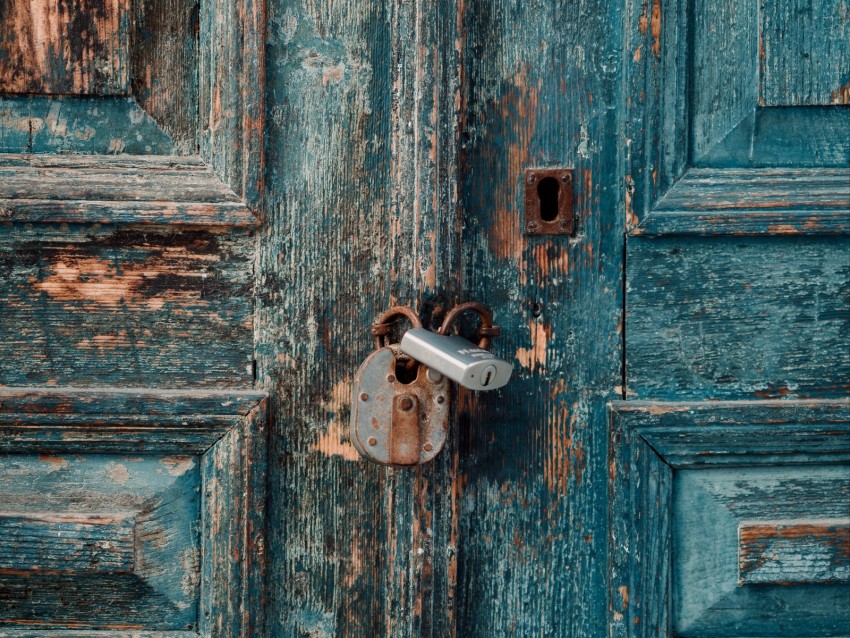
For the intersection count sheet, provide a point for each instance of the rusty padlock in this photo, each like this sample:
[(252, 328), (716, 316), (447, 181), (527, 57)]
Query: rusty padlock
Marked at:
[(392, 422)]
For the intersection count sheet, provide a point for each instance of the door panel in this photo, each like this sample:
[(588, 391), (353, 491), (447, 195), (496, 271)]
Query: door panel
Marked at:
[(132, 485), (739, 571), (735, 318), (132, 512), (730, 518)]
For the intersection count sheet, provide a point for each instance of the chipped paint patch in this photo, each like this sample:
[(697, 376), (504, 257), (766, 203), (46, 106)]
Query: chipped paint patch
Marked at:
[(535, 356), (178, 465), (118, 473)]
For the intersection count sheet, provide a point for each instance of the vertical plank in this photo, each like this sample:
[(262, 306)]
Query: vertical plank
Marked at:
[(725, 75), (361, 214), (640, 501), (805, 52), (656, 110), (231, 87), (541, 90)]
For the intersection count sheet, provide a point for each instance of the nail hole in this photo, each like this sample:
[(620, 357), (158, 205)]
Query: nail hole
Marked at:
[(548, 190), (536, 310)]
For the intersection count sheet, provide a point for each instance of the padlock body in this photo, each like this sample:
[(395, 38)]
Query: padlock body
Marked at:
[(395, 423), (457, 358)]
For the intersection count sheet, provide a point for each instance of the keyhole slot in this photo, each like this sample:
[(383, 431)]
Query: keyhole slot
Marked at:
[(548, 191)]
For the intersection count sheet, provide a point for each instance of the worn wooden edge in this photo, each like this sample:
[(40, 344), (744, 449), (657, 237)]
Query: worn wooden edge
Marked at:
[(708, 202), (208, 203), (640, 483), (640, 545), (648, 413), (120, 163), (232, 96), (743, 222), (254, 110), (234, 473), (156, 213), (53, 402)]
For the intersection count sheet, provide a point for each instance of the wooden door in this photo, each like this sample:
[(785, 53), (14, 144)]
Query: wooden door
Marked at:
[(730, 488), (207, 203)]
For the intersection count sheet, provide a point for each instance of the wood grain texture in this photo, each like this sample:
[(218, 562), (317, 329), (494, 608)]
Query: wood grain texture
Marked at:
[(786, 136), (674, 560), (747, 432), (76, 47), (104, 305), (790, 552), (804, 52), (737, 318), (361, 214), (724, 77), (541, 88), (709, 507), (231, 89), (710, 201), (157, 499), (164, 190), (50, 542), (691, 98), (656, 104), (184, 487), (164, 61)]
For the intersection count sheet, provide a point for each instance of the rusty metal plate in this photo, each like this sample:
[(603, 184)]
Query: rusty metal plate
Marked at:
[(395, 423), (549, 201)]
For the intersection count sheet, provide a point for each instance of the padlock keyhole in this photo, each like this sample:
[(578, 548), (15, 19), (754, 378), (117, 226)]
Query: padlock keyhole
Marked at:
[(403, 374)]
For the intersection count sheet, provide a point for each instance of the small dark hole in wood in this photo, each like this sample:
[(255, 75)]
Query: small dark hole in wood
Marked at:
[(536, 310), (548, 190)]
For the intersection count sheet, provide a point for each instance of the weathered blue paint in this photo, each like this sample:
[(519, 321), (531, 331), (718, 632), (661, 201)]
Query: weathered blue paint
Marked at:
[(177, 478), (396, 135), (676, 510)]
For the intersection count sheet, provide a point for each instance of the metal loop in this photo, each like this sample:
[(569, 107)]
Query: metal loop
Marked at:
[(485, 332), (381, 328)]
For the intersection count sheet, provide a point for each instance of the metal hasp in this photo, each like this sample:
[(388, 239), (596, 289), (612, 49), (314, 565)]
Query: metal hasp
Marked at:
[(395, 423), (549, 201)]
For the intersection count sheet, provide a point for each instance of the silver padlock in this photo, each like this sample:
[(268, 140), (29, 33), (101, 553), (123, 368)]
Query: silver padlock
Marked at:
[(457, 358)]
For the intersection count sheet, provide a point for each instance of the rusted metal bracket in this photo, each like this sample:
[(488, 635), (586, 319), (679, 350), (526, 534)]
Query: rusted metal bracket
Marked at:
[(549, 201)]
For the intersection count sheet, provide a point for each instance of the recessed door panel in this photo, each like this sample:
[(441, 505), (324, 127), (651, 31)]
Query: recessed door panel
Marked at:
[(99, 541), (761, 551)]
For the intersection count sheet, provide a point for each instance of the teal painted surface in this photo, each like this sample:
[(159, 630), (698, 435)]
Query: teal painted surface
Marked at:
[(101, 305), (708, 508), (178, 477), (542, 90), (41, 124), (360, 211), (396, 133), (154, 590), (738, 318), (783, 136), (675, 509)]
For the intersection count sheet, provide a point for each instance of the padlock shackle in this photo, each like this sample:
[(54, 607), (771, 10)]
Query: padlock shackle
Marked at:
[(485, 332)]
